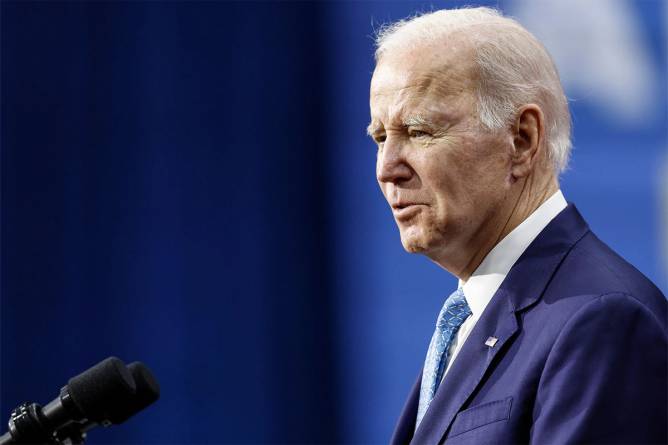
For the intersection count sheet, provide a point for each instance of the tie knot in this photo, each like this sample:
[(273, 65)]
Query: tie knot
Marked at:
[(455, 310)]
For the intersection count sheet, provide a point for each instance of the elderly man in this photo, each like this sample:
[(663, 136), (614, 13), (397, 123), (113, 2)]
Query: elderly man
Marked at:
[(551, 337)]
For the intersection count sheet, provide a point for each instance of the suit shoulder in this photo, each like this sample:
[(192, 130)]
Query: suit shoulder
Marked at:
[(591, 269)]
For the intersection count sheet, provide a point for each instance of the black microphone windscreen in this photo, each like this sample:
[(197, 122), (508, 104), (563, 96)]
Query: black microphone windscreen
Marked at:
[(104, 391), (148, 391)]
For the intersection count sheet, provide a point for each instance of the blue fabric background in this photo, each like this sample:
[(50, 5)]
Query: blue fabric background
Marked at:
[(190, 185)]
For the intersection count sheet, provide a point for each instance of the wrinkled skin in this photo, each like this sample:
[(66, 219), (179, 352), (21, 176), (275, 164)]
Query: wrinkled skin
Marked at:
[(455, 188)]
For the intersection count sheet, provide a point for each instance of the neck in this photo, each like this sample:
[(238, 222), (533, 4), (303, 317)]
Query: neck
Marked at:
[(531, 194)]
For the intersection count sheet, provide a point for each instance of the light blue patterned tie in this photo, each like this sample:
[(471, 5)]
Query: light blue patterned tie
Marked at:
[(454, 312)]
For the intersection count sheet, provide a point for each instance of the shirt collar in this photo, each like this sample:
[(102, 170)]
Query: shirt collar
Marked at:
[(486, 279)]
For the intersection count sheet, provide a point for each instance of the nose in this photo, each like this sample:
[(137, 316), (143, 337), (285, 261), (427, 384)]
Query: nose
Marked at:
[(391, 163)]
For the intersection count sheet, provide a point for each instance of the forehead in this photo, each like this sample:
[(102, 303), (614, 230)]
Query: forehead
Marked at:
[(428, 79)]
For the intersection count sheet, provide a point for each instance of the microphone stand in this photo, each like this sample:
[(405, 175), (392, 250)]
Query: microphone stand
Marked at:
[(28, 424), (74, 433)]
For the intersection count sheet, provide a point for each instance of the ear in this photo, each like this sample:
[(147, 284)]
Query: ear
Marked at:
[(528, 140)]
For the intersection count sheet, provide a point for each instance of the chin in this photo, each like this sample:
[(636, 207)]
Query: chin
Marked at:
[(422, 240), (413, 248), (413, 243)]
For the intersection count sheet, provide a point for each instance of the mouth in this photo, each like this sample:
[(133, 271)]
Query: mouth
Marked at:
[(404, 204), (404, 211)]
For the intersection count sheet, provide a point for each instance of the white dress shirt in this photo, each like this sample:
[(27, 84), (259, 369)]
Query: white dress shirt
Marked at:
[(486, 279)]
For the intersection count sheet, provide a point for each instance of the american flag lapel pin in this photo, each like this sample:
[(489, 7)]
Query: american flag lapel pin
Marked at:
[(491, 341)]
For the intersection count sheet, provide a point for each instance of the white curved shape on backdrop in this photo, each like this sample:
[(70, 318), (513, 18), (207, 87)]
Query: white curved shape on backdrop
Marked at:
[(600, 51)]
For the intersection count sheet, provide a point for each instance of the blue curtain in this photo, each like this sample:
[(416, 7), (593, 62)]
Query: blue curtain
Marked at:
[(161, 183)]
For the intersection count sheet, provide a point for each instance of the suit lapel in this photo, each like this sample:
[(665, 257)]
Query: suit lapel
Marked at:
[(523, 286), (467, 370)]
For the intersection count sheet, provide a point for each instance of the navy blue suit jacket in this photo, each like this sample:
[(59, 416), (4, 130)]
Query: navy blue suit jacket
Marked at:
[(580, 358)]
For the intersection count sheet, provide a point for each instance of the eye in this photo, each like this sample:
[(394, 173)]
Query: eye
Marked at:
[(379, 139), (417, 133)]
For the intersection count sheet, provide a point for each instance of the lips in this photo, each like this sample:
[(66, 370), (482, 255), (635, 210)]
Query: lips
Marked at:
[(404, 204), (405, 210)]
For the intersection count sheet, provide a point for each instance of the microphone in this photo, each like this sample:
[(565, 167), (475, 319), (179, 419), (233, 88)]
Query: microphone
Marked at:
[(107, 393), (148, 391)]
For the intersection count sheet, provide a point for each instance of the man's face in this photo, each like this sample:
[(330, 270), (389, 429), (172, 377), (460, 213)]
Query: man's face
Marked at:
[(444, 176)]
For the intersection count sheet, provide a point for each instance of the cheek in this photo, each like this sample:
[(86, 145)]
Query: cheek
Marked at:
[(469, 175), (487, 158), (450, 173)]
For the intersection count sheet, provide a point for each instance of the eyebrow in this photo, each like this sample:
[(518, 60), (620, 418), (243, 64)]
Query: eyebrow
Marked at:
[(417, 120), (414, 120), (372, 128)]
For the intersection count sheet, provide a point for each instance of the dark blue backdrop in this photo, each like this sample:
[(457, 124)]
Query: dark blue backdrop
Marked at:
[(189, 184), (161, 202)]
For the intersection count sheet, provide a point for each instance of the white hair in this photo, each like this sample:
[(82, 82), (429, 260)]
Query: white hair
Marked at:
[(514, 68)]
